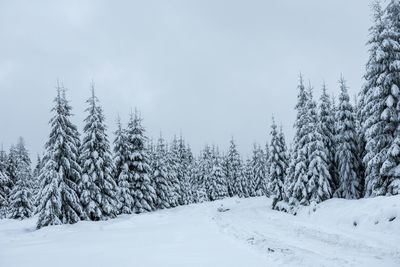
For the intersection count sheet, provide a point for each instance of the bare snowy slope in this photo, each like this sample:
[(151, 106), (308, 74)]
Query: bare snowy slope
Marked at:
[(340, 233)]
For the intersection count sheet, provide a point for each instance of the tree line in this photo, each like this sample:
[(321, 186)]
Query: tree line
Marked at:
[(345, 150)]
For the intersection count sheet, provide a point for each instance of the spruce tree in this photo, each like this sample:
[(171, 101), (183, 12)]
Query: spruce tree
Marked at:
[(162, 184), (319, 178), (326, 117), (298, 187), (59, 201), (234, 171), (258, 171), (21, 196), (389, 183), (278, 167), (380, 98), (217, 188), (5, 184), (98, 186), (175, 174), (347, 150), (142, 191), (185, 158), (121, 170)]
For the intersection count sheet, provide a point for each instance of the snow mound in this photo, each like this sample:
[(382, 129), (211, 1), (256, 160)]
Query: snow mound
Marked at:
[(379, 213)]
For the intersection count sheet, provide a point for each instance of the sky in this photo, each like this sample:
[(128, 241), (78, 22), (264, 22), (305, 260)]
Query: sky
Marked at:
[(209, 70)]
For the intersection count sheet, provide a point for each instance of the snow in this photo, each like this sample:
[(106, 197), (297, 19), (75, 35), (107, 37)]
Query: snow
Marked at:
[(248, 233)]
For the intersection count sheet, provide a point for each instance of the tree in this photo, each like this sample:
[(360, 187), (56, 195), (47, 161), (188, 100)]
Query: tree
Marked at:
[(21, 206), (142, 191), (380, 98), (98, 187), (326, 127), (347, 151), (186, 163), (217, 188), (259, 171), (121, 170), (234, 171), (389, 183), (319, 178), (175, 175), (278, 167), (59, 201), (298, 187), (162, 184), (5, 184)]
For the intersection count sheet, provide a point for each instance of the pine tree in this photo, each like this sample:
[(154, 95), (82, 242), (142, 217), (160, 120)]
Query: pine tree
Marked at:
[(121, 170), (298, 187), (98, 187), (59, 201), (326, 118), (319, 178), (36, 181), (217, 188), (143, 193), (258, 171), (186, 160), (174, 172), (389, 183), (278, 167), (162, 184), (234, 171), (5, 184), (267, 160), (347, 152), (12, 165)]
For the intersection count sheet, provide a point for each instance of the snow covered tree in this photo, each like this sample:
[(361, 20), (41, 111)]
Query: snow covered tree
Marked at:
[(298, 187), (319, 178), (278, 167), (267, 167), (186, 160), (98, 195), (142, 191), (121, 170), (21, 197), (5, 184), (175, 175), (36, 181), (12, 165), (234, 171), (380, 98), (59, 201), (346, 152), (326, 118), (258, 171), (162, 184), (216, 188)]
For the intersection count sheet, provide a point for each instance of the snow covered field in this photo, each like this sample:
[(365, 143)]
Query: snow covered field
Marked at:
[(363, 232)]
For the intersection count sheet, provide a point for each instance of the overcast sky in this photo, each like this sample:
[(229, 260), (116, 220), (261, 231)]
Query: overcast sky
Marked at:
[(208, 69)]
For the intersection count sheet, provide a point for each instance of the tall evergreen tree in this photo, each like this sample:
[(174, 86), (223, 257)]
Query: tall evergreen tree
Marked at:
[(380, 98), (319, 178), (121, 170), (217, 188), (185, 158), (278, 167), (143, 193), (5, 184), (98, 186), (347, 151), (21, 197), (298, 187), (59, 201), (326, 118), (162, 184), (175, 174), (234, 171)]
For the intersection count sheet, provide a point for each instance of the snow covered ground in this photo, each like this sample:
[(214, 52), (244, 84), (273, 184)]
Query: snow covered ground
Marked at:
[(362, 232)]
